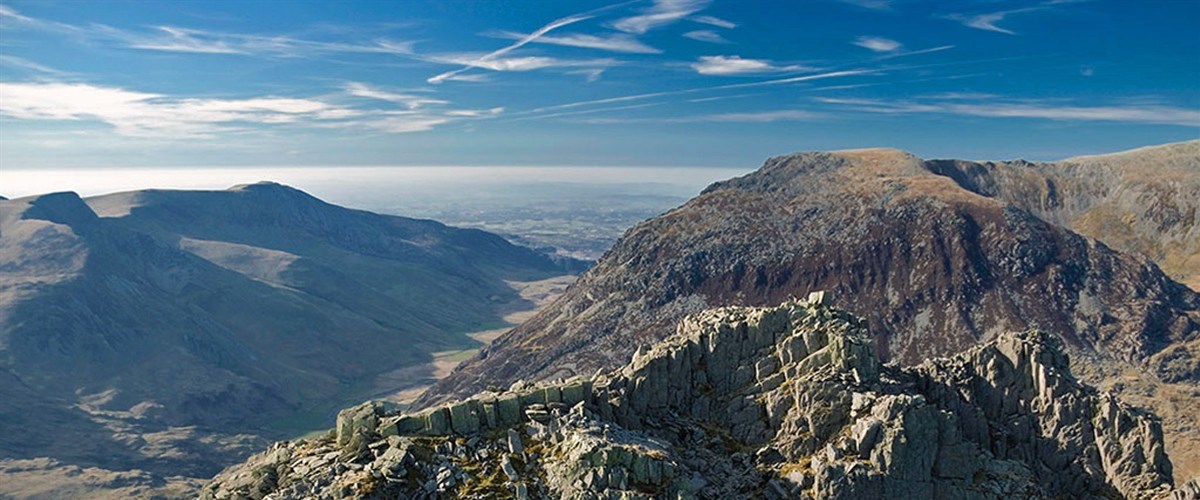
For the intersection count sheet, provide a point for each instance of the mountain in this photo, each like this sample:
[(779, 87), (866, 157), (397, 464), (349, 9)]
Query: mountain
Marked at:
[(1144, 201), (171, 331), (776, 403), (938, 256)]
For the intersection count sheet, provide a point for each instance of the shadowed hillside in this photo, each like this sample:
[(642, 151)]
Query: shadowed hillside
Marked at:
[(153, 319)]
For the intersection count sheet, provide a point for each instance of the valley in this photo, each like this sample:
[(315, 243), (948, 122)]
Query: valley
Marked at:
[(153, 337)]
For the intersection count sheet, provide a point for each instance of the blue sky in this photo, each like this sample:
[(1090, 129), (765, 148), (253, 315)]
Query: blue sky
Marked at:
[(650, 82)]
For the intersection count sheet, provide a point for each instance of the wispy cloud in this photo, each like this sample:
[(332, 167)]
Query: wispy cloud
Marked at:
[(180, 40), (581, 112), (410, 101), (661, 13), (906, 53), (173, 39), (722, 97), (736, 65), (9, 13), (713, 21), (516, 63), (590, 74), (780, 115), (998, 108), (988, 21), (144, 114), (187, 40), (755, 116), (619, 42), (715, 88), (709, 36), (472, 78), (877, 44), (17, 62), (871, 4), (489, 60)]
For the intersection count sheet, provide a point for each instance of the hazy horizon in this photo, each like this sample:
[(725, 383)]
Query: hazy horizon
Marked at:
[(351, 185)]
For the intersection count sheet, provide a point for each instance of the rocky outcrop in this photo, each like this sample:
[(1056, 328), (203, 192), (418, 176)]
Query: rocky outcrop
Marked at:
[(783, 402)]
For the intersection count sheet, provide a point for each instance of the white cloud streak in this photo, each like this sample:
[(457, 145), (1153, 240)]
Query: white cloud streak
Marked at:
[(142, 114), (661, 13), (583, 112), (410, 101), (17, 62), (180, 40), (486, 60), (914, 52), (735, 65), (8, 12), (590, 75), (753, 117), (988, 21), (713, 21), (651, 95), (616, 43), (520, 63), (709, 36), (193, 41), (871, 4), (781, 115), (877, 44), (963, 105)]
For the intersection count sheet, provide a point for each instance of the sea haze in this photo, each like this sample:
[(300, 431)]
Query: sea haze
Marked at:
[(575, 211)]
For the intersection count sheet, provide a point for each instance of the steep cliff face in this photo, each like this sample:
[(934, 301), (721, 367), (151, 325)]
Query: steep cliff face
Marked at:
[(783, 402), (935, 261)]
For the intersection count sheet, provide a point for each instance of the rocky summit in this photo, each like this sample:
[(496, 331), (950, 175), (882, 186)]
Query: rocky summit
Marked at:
[(781, 402)]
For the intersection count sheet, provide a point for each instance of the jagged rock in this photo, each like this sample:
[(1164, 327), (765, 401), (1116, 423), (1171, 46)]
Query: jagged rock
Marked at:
[(361, 419), (514, 443), (1189, 491), (783, 402)]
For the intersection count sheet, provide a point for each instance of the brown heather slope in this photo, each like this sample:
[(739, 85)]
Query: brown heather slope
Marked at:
[(935, 263)]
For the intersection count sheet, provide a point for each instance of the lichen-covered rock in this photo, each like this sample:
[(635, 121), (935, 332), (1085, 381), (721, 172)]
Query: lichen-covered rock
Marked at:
[(361, 419), (783, 402)]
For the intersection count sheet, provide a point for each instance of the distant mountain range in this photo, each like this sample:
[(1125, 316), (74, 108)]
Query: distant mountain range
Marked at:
[(167, 331), (937, 256)]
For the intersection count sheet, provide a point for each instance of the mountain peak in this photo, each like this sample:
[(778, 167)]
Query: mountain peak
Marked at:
[(61, 208), (267, 186), (1186, 150), (875, 154), (820, 172), (277, 193)]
